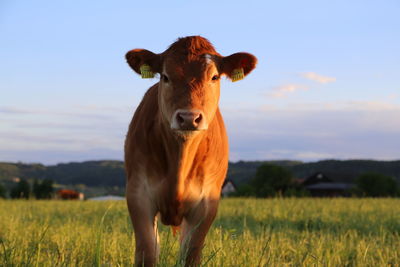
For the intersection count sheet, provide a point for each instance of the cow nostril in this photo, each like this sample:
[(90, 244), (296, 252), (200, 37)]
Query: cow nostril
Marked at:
[(180, 119), (198, 119)]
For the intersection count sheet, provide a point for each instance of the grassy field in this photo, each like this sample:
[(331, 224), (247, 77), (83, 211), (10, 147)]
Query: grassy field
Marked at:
[(247, 232)]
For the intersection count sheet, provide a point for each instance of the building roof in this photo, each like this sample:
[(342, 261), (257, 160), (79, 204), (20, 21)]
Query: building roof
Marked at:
[(317, 178), (229, 181)]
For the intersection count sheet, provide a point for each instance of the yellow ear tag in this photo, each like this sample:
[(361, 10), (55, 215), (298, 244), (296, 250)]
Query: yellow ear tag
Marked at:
[(146, 72), (237, 74)]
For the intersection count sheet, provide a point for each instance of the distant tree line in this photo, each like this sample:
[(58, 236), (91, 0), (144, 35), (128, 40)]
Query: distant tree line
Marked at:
[(40, 189), (376, 185), (269, 180), (111, 173), (272, 181), (2, 191)]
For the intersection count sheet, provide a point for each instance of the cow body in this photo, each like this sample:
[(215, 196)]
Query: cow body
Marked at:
[(176, 149)]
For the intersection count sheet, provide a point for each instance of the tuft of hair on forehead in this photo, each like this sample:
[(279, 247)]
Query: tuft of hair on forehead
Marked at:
[(191, 47)]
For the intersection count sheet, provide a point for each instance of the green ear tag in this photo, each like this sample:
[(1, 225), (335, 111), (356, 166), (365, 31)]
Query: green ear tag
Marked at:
[(146, 72), (237, 74)]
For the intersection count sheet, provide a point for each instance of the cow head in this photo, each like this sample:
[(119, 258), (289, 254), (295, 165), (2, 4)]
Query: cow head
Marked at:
[(189, 87)]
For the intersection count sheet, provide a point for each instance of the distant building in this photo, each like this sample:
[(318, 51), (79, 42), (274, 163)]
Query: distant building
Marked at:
[(67, 194), (319, 185), (228, 188)]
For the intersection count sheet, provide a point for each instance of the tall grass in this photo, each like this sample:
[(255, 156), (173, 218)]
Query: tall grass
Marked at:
[(247, 232)]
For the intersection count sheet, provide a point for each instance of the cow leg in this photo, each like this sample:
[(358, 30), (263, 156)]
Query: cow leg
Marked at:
[(194, 230), (145, 227)]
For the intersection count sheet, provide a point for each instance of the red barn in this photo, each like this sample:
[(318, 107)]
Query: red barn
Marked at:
[(69, 194)]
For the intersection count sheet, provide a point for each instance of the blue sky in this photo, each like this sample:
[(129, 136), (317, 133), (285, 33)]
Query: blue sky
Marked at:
[(326, 86)]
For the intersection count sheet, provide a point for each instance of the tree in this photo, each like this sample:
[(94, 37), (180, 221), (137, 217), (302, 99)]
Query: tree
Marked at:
[(376, 185), (2, 191), (244, 190), (44, 189), (271, 180), (36, 188), (21, 190)]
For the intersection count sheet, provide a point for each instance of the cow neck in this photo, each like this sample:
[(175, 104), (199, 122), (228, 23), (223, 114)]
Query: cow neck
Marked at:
[(182, 154), (181, 151)]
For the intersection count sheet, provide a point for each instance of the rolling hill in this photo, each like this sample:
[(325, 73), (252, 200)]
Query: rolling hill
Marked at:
[(109, 173)]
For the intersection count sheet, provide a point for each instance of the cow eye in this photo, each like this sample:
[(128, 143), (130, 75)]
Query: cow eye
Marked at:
[(164, 78), (215, 78)]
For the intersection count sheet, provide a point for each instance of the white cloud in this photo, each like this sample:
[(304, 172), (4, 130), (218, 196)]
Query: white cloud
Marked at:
[(99, 108), (310, 155), (78, 128), (319, 106), (284, 90), (289, 130), (278, 154), (12, 110), (317, 77), (62, 114), (287, 89), (54, 156), (370, 105), (393, 96), (312, 132)]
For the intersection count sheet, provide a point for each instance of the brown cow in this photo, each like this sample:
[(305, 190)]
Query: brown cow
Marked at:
[(176, 149)]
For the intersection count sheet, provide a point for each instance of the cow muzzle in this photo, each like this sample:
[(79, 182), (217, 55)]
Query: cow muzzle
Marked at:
[(188, 120)]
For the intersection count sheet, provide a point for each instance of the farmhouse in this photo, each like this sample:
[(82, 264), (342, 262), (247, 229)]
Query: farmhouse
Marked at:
[(319, 185), (228, 187)]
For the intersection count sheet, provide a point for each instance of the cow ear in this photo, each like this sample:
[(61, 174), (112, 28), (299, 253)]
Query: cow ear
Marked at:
[(238, 65), (144, 62)]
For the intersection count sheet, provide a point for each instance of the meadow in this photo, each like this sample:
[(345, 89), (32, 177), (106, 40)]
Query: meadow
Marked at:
[(247, 232)]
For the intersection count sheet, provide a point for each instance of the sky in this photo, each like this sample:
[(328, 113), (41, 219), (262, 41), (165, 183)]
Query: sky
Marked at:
[(327, 83)]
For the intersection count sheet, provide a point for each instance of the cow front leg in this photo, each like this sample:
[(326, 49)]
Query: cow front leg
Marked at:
[(145, 228), (194, 230)]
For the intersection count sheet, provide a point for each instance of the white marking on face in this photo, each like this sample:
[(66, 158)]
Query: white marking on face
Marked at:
[(208, 58), (174, 122)]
